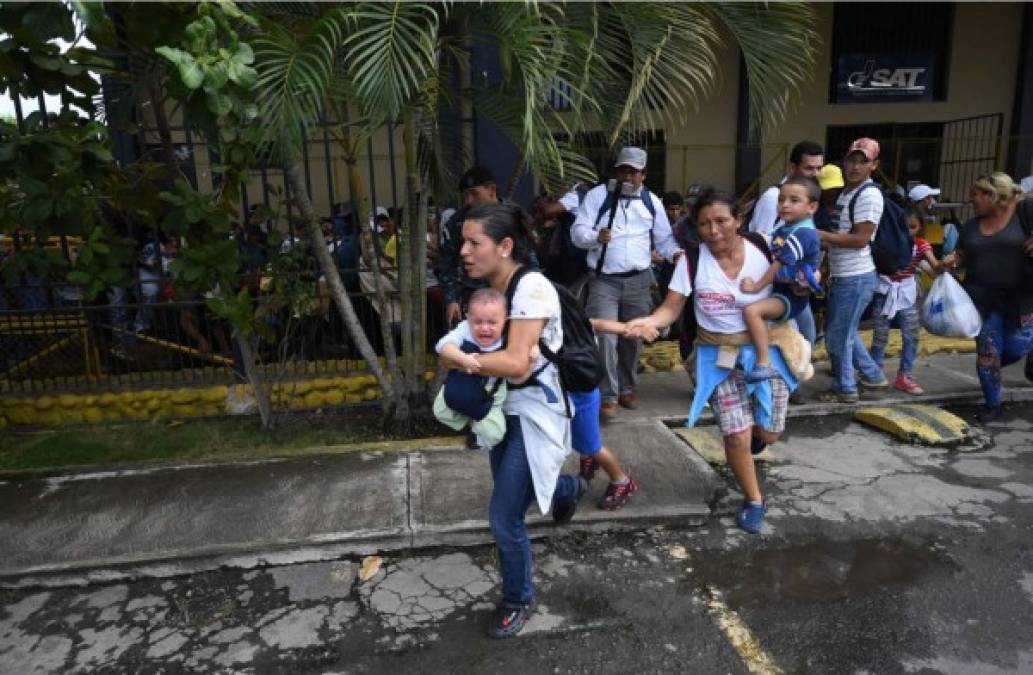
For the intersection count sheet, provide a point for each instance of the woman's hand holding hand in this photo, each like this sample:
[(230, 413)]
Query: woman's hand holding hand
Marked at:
[(471, 365), (748, 285), (642, 329)]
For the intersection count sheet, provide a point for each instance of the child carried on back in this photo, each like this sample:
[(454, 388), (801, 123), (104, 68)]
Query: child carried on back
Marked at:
[(796, 253), (468, 398)]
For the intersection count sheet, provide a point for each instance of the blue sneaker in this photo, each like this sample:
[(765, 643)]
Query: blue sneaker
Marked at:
[(751, 517), (761, 373), (563, 512)]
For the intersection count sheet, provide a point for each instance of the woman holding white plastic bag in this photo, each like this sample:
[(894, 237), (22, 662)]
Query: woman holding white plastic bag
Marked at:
[(995, 249)]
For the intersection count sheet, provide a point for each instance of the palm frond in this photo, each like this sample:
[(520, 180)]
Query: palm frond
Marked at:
[(390, 53), (295, 73), (778, 44)]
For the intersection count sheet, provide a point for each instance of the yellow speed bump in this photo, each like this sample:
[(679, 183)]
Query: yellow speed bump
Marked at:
[(924, 424), (708, 444)]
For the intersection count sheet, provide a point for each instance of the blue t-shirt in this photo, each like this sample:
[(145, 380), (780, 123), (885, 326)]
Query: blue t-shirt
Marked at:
[(798, 248)]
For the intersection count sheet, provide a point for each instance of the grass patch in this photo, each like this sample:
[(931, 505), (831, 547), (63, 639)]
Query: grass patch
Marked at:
[(194, 440)]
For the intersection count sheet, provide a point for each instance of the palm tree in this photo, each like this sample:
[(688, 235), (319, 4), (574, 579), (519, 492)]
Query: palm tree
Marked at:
[(624, 68)]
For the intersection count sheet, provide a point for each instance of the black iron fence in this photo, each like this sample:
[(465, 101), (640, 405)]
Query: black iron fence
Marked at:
[(62, 344)]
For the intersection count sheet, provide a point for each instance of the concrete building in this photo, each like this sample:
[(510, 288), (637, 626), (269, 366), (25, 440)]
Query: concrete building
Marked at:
[(947, 88)]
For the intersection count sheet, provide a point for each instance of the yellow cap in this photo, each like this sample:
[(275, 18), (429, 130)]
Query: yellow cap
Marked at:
[(830, 177)]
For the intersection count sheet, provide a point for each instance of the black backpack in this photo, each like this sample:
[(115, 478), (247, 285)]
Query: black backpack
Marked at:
[(579, 363), (893, 247)]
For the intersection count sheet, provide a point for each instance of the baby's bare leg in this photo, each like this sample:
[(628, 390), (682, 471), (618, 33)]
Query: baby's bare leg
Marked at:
[(756, 316)]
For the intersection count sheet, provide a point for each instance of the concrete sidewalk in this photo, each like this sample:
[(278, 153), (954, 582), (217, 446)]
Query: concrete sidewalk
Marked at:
[(171, 520)]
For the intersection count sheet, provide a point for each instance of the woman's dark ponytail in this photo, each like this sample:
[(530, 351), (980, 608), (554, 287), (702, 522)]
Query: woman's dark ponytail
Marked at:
[(502, 220)]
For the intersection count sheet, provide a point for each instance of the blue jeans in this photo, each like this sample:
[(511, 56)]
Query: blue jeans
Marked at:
[(909, 330), (998, 346), (513, 493), (848, 298), (806, 326)]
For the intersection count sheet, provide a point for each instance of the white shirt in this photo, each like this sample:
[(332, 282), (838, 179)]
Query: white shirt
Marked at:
[(850, 262), (460, 334), (765, 211), (535, 298), (629, 247), (571, 201), (718, 300)]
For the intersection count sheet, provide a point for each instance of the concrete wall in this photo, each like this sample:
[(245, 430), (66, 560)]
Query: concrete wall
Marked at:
[(984, 53), (983, 67), (703, 149), (983, 63)]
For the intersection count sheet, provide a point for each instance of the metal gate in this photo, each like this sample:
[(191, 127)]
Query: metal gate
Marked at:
[(971, 147)]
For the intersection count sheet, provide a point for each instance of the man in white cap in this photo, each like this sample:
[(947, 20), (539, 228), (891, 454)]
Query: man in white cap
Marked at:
[(620, 257)]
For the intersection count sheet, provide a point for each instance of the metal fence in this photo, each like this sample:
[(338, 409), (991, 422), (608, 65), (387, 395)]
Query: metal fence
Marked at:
[(62, 344)]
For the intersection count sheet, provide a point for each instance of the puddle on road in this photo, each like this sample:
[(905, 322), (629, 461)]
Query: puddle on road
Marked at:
[(816, 572)]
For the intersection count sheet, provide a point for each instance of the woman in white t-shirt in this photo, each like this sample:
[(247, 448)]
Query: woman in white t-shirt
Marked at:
[(749, 416), (525, 466)]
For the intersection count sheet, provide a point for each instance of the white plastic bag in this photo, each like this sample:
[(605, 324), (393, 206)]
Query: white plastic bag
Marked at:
[(948, 311)]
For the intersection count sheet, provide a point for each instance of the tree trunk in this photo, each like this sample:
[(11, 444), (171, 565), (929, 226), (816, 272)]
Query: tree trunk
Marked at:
[(420, 263), (337, 291), (247, 354), (406, 268), (390, 356), (466, 120)]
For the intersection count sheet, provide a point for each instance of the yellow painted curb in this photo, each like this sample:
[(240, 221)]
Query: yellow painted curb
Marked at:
[(923, 424), (710, 447)]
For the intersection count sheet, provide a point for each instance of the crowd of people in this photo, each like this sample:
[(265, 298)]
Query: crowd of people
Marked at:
[(600, 256)]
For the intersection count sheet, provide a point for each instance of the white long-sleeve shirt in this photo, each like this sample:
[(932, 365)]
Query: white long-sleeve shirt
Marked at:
[(765, 211), (629, 247)]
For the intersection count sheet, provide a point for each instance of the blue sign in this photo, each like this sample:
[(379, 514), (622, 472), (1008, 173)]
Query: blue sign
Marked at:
[(885, 78)]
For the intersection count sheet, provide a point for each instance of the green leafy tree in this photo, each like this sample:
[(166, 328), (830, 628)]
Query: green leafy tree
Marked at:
[(627, 67), (58, 176)]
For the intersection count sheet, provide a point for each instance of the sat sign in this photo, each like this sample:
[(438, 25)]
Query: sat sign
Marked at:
[(884, 78)]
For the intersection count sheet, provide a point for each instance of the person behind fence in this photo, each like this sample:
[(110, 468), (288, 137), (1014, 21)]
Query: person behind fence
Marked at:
[(476, 186), (996, 250), (619, 233), (467, 398), (796, 249), (749, 416), (896, 296), (526, 465)]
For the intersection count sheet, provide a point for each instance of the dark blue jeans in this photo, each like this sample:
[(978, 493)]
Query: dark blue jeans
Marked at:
[(513, 493), (997, 346)]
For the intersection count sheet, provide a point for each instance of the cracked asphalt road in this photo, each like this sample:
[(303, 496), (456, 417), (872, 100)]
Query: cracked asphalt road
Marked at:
[(880, 557)]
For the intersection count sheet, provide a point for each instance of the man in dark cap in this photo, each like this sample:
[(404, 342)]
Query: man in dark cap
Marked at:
[(476, 186)]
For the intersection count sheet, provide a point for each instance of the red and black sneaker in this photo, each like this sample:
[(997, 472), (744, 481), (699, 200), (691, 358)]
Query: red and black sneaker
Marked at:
[(588, 467), (508, 620), (618, 495)]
